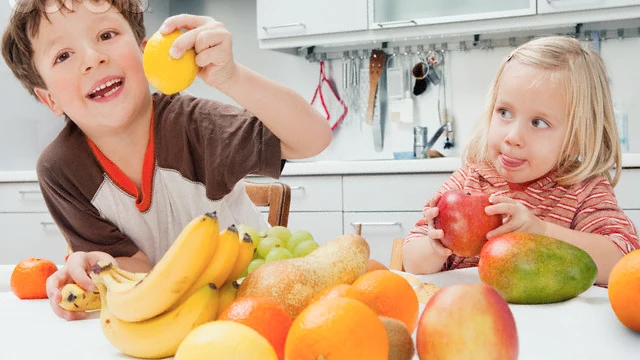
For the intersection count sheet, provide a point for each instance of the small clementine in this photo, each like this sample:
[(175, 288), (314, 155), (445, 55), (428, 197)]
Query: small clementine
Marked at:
[(337, 329), (29, 278), (348, 291), (263, 315), (624, 282), (375, 265), (393, 295)]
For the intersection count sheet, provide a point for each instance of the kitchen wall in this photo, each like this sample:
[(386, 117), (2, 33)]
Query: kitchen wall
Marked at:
[(27, 126)]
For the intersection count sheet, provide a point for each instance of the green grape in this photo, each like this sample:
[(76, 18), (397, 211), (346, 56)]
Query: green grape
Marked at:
[(246, 229), (280, 232), (278, 253), (263, 233), (298, 237), (304, 248), (268, 243), (254, 264), (256, 255)]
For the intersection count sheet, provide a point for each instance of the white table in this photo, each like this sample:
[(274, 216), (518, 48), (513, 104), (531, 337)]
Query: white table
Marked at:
[(582, 328)]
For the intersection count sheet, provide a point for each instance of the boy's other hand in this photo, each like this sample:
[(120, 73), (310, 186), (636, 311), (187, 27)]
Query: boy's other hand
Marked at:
[(210, 40), (74, 271)]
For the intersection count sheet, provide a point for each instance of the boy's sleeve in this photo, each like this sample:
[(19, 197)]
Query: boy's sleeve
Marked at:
[(599, 213), (80, 222)]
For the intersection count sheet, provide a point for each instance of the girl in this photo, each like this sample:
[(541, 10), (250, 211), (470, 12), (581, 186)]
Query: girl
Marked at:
[(544, 150)]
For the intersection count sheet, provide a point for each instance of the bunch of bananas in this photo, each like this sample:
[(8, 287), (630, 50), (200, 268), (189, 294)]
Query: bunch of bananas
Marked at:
[(148, 315)]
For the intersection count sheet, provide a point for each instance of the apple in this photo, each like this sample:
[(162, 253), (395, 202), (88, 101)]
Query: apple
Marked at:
[(463, 220), (467, 321)]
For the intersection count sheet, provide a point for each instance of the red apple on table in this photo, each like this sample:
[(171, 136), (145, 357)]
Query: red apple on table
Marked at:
[(463, 220), (467, 321)]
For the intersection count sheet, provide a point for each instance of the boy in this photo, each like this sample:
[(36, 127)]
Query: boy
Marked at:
[(131, 168)]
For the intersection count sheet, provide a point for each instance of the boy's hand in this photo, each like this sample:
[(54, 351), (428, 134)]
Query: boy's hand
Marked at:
[(517, 218), (211, 42), (74, 271)]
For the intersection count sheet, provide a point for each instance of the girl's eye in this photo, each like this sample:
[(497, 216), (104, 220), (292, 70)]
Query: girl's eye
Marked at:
[(107, 35), (62, 57), (505, 113), (539, 123)]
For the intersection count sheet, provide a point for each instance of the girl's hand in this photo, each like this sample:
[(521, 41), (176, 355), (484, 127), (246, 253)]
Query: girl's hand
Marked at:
[(211, 42), (434, 235), (517, 218)]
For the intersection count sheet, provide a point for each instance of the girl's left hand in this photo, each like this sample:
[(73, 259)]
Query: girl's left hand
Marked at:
[(516, 217), (211, 42)]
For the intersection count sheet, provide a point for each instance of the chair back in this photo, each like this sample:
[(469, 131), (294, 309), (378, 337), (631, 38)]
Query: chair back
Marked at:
[(396, 255), (275, 195)]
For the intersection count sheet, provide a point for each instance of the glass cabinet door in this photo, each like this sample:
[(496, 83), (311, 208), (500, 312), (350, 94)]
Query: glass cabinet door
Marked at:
[(390, 13)]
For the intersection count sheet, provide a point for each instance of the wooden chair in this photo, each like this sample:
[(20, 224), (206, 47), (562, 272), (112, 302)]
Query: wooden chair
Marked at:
[(396, 255), (275, 195)]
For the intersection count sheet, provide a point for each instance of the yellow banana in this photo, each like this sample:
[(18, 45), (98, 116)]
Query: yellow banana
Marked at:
[(170, 278), (245, 255), (75, 298), (228, 294), (129, 276), (221, 264), (160, 336)]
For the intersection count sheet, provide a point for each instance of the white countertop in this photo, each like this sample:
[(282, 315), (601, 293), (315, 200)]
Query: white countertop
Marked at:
[(583, 328), (301, 168)]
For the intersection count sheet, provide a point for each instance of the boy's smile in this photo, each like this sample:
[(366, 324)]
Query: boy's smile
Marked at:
[(91, 64), (528, 124)]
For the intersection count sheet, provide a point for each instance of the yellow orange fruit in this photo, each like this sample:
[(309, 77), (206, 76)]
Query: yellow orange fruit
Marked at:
[(224, 340), (337, 329), (375, 265), (163, 72), (29, 278), (263, 315), (393, 295), (624, 293), (348, 291)]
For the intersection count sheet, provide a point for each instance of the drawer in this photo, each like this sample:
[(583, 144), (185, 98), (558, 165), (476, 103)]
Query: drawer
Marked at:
[(30, 234), (626, 191), (390, 192), (311, 193), (380, 229), (21, 197)]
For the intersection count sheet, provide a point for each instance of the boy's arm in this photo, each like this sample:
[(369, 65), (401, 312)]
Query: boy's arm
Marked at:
[(139, 262)]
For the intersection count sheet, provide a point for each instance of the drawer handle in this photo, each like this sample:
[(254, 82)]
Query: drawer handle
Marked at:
[(297, 24), (390, 24), (29, 192), (297, 187), (47, 223), (381, 223)]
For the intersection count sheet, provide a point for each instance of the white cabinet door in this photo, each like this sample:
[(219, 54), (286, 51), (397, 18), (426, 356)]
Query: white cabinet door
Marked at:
[(287, 18), (550, 6), (324, 226), (380, 229), (30, 235)]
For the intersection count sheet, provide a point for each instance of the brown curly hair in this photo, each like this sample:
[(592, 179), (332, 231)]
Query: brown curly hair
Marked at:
[(24, 24)]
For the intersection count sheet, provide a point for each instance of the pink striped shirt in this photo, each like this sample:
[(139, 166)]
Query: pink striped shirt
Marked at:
[(589, 206)]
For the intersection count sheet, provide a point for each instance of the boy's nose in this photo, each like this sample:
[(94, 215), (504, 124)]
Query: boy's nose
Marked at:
[(94, 59)]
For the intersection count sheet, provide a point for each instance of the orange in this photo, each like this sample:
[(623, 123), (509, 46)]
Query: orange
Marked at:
[(375, 265), (394, 296), (263, 315), (29, 278), (348, 291), (624, 290), (337, 329), (163, 72), (224, 340)]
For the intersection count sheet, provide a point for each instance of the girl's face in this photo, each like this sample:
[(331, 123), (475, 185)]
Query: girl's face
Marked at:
[(528, 124)]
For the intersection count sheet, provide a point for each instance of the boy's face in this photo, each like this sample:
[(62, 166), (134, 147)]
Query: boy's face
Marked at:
[(528, 123), (92, 66)]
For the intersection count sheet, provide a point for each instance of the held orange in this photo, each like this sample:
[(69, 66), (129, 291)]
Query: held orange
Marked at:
[(29, 278), (163, 72), (624, 293)]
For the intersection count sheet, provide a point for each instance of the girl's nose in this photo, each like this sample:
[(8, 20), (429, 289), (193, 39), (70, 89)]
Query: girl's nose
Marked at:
[(93, 59), (514, 135)]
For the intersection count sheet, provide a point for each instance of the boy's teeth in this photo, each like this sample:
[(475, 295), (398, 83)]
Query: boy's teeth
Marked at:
[(103, 86)]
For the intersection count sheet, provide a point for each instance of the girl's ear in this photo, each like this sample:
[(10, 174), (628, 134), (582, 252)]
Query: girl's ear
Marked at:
[(45, 97)]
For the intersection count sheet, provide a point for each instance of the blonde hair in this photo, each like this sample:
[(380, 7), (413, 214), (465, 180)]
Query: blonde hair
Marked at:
[(591, 145)]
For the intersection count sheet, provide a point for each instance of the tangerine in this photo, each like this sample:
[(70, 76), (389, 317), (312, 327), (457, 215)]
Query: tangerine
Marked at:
[(337, 329), (263, 315), (348, 291), (163, 72), (393, 295), (624, 282), (29, 278)]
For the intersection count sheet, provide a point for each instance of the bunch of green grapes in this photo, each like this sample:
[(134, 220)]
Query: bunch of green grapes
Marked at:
[(278, 243)]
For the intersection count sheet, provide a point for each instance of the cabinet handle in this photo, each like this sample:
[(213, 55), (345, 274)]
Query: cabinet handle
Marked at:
[(297, 187), (389, 24), (381, 223), (29, 192), (297, 24), (47, 223)]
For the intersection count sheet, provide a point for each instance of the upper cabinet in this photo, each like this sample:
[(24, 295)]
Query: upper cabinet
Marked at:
[(397, 13), (550, 6), (285, 18)]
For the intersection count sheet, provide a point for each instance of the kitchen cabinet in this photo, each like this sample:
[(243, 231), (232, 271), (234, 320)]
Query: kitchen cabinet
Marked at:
[(551, 6), (287, 18), (396, 13)]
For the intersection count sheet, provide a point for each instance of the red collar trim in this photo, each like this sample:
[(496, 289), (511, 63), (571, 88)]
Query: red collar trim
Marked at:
[(143, 200)]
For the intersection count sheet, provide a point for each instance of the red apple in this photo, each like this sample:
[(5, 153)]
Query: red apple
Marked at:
[(463, 220), (467, 321)]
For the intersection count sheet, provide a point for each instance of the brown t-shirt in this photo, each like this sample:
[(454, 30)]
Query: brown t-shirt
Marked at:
[(198, 152)]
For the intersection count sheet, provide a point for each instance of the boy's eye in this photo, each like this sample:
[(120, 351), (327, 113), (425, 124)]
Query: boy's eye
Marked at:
[(62, 57), (107, 35), (539, 123)]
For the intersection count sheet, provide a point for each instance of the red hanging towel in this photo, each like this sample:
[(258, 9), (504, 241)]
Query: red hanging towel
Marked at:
[(327, 102)]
